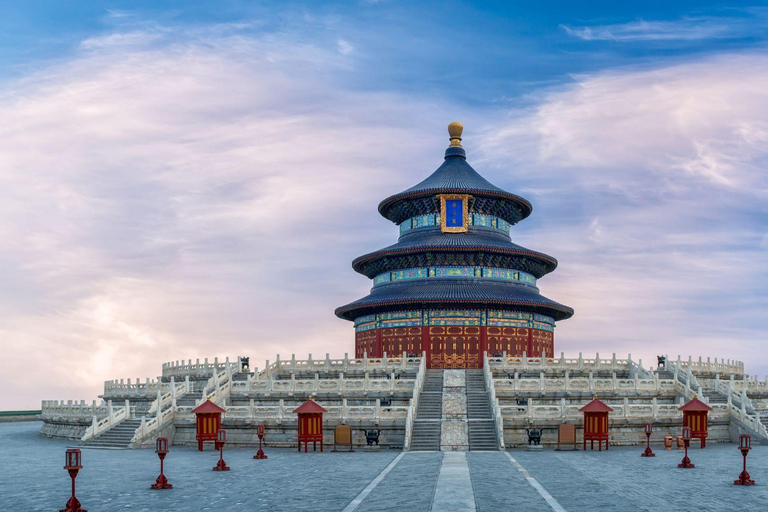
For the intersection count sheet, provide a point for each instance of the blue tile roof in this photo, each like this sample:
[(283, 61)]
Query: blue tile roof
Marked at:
[(433, 240), (454, 176), (454, 293)]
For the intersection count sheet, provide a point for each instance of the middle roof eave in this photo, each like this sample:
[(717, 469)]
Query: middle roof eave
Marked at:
[(436, 241), (458, 293)]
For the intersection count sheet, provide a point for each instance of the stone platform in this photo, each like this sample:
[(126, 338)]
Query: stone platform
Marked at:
[(617, 480)]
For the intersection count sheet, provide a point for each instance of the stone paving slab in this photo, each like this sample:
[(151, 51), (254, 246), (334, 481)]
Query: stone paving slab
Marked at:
[(618, 480), (621, 480), (499, 486), (410, 486), (120, 479)]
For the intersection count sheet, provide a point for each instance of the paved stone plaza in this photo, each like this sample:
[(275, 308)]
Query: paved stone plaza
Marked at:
[(615, 480)]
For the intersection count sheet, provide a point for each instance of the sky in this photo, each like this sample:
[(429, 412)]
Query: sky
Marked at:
[(193, 179)]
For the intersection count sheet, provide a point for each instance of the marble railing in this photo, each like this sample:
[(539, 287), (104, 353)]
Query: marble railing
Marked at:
[(115, 414), (73, 410), (505, 363), (150, 425), (175, 391), (337, 413), (495, 408), (751, 385), (365, 363), (137, 388), (630, 412), (318, 385), (723, 367), (413, 403), (182, 368), (569, 384)]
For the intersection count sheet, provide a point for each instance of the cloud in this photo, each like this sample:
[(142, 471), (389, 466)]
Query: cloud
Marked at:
[(685, 29), (190, 196), (649, 185), (343, 47), (171, 194)]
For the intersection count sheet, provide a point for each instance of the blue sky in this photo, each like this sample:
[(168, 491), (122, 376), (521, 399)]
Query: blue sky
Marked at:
[(184, 179)]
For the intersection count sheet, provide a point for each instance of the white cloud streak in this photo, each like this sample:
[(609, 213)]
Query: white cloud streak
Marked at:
[(685, 29)]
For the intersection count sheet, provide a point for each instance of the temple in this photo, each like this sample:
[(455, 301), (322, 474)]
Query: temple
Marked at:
[(454, 286)]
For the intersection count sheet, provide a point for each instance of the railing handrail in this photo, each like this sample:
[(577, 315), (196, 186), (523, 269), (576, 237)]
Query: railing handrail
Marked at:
[(414, 402), (496, 410)]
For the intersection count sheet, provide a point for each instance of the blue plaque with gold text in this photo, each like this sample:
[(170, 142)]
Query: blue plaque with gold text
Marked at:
[(454, 213)]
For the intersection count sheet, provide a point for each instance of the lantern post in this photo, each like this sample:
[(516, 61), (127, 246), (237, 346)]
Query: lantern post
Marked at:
[(221, 439), (260, 454), (648, 452), (73, 464), (686, 462), (161, 449), (745, 444)]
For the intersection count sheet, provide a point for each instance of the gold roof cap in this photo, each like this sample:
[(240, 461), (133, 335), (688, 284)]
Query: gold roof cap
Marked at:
[(454, 130)]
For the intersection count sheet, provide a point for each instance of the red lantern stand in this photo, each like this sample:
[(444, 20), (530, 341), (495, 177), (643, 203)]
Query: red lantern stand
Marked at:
[(310, 424), (221, 440), (695, 417), (745, 444), (686, 462), (260, 454), (208, 416), (596, 424), (648, 431), (73, 464), (161, 449)]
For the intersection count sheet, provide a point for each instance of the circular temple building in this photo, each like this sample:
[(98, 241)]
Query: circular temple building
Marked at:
[(454, 285)]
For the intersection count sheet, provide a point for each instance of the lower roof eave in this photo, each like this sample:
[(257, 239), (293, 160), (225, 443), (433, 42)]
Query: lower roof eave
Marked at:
[(354, 310)]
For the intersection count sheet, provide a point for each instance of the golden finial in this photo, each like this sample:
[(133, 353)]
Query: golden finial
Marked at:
[(454, 130), (595, 396)]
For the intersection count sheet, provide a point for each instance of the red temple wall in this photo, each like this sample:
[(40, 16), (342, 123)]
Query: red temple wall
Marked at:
[(454, 346)]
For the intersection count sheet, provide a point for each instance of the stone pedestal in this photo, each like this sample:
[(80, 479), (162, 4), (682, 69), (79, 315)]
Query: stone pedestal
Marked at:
[(534, 448), (371, 448), (454, 432)]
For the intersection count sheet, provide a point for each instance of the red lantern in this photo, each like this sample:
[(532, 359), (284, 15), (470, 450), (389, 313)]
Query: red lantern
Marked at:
[(745, 444), (260, 453), (161, 449), (221, 439), (686, 435), (648, 431), (73, 464)]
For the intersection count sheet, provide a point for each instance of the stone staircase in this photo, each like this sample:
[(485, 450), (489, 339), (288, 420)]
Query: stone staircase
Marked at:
[(426, 427), (481, 425), (119, 436)]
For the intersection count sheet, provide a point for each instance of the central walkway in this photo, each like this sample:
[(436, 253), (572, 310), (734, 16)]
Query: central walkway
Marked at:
[(454, 482)]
